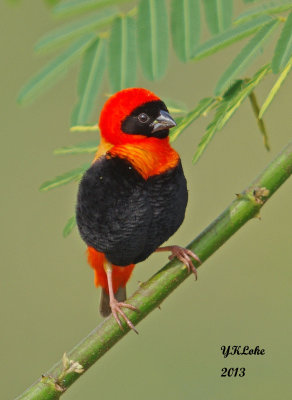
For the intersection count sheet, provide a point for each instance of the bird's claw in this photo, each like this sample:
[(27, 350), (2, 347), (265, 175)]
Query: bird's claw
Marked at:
[(116, 308), (184, 255)]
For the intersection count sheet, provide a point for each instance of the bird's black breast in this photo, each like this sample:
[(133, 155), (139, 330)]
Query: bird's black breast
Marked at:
[(125, 216)]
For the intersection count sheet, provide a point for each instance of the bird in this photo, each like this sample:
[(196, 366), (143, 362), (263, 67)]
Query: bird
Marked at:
[(133, 197)]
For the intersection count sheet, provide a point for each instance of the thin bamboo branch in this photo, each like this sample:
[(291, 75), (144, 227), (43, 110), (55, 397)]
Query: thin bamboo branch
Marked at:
[(148, 297)]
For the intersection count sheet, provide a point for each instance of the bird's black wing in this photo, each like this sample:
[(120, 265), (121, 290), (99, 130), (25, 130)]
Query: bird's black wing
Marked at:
[(113, 212), (168, 196)]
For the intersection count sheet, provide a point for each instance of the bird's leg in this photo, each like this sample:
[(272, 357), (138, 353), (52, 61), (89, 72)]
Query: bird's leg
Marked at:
[(184, 255), (114, 304)]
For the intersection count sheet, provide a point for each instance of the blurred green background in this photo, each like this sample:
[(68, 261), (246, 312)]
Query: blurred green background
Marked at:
[(48, 299)]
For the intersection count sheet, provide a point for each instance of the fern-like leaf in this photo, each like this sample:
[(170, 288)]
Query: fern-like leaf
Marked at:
[(80, 148), (75, 29), (72, 7), (53, 71), (70, 225), (90, 79), (122, 54), (283, 50), (152, 29), (230, 36), (230, 103), (246, 56), (275, 88), (185, 27), (67, 177), (271, 8), (201, 108), (218, 14)]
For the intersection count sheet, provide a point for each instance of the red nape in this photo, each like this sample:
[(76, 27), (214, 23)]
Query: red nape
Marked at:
[(117, 108), (120, 275)]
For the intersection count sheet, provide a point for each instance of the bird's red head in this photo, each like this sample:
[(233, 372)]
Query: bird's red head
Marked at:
[(134, 115)]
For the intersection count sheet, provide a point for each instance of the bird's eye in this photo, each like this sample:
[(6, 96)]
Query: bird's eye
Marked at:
[(143, 118)]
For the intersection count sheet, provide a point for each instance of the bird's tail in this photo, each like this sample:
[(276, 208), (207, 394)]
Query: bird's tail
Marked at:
[(120, 276)]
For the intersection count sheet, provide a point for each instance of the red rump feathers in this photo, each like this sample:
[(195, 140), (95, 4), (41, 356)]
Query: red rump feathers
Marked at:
[(120, 274), (117, 108)]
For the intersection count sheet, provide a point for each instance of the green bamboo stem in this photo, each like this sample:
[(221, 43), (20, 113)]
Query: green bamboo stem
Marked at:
[(150, 294)]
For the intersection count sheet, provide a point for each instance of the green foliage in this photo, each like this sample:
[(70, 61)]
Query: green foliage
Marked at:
[(175, 107), (75, 29), (152, 35), (67, 177), (53, 70), (201, 108), (246, 55), (185, 27), (227, 107), (90, 79), (52, 2), (231, 35), (122, 54), (71, 7), (48, 2), (111, 39), (81, 148), (283, 50), (275, 88), (144, 30), (260, 122), (268, 8), (218, 14), (68, 228)]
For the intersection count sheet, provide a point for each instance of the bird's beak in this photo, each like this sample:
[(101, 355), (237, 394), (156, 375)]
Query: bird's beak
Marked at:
[(163, 121)]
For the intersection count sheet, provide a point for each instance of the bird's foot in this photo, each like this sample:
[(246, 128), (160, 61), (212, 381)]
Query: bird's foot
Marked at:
[(184, 255), (116, 308)]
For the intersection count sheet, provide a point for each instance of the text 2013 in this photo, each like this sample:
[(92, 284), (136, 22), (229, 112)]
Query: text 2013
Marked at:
[(228, 372)]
